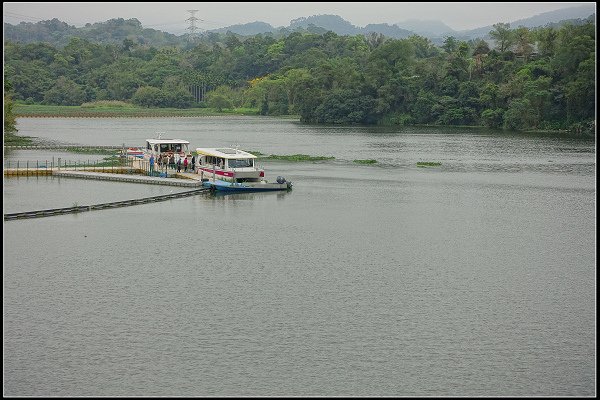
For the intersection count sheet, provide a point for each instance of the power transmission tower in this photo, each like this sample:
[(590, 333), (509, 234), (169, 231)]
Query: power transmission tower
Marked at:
[(193, 28)]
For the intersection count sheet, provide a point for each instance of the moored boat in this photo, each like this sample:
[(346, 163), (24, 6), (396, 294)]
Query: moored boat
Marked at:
[(161, 148), (263, 186), (229, 169), (135, 152)]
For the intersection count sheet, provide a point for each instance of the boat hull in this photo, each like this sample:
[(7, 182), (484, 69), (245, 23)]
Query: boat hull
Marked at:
[(224, 186)]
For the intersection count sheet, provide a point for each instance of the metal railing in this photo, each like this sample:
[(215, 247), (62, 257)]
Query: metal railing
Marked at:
[(44, 167), (58, 147)]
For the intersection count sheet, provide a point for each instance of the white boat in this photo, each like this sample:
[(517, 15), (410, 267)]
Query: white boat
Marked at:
[(226, 168), (227, 164), (160, 148)]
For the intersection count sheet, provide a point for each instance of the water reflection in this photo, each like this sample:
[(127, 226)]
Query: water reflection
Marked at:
[(224, 196)]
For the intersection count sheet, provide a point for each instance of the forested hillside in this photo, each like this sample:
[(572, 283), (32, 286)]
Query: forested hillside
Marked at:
[(114, 31), (541, 78)]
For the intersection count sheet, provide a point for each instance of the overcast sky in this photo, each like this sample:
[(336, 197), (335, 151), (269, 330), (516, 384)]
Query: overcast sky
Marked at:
[(171, 17)]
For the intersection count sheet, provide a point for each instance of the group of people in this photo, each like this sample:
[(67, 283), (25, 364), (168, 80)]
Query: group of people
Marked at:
[(167, 160)]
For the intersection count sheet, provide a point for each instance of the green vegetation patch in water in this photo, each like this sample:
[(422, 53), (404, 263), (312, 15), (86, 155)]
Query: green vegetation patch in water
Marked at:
[(428, 164), (298, 157), (365, 161)]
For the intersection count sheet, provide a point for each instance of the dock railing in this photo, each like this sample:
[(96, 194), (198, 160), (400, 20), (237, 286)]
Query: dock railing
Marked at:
[(45, 167), (129, 165)]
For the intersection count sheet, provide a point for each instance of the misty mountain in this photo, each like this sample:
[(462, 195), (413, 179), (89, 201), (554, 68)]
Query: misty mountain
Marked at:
[(550, 17), (392, 31), (333, 23), (432, 29), (426, 28), (318, 24), (116, 30), (581, 12), (251, 28)]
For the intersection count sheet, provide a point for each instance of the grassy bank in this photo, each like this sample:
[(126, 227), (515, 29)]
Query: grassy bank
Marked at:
[(107, 111)]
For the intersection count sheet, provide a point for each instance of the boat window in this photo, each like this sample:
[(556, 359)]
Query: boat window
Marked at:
[(240, 163)]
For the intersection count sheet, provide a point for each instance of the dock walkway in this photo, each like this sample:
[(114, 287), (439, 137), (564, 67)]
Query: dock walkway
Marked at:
[(135, 172), (190, 182)]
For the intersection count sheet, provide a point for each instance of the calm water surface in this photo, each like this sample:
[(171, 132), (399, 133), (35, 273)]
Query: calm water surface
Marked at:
[(475, 278)]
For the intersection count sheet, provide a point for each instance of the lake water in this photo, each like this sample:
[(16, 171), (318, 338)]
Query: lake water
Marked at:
[(473, 278)]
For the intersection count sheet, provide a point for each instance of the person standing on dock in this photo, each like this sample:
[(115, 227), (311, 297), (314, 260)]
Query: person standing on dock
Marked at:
[(151, 164), (172, 161), (185, 164), (179, 164)]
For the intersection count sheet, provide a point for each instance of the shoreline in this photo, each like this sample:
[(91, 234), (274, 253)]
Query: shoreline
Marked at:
[(49, 111)]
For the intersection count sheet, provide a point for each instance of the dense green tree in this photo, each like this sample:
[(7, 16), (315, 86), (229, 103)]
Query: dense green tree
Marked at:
[(546, 40), (178, 97), (517, 115), (542, 78), (492, 118), (425, 108), (523, 42), (450, 44), (148, 96), (10, 122), (581, 93), (343, 106), (503, 36), (65, 92), (219, 102)]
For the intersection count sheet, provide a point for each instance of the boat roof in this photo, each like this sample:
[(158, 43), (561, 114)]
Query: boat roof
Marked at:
[(159, 141), (224, 152)]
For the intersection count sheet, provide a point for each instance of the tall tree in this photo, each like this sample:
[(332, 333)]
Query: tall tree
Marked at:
[(10, 122), (503, 36), (523, 42)]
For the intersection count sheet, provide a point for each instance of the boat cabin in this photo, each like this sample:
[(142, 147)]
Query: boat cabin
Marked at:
[(161, 146), (228, 164)]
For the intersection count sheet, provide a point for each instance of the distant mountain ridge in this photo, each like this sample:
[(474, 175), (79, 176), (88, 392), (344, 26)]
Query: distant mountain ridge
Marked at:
[(324, 23), (432, 29), (426, 27), (564, 14), (116, 30)]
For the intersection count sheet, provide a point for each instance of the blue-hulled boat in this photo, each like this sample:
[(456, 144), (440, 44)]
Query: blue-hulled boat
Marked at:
[(225, 186)]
